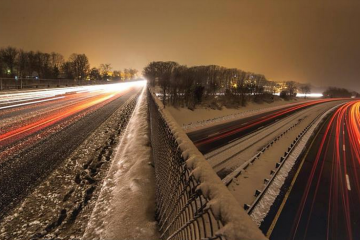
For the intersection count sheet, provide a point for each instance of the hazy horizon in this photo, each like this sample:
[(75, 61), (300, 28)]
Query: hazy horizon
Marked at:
[(310, 41)]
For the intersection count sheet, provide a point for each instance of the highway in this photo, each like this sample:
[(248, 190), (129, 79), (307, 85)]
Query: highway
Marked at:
[(322, 200), (39, 129), (209, 139)]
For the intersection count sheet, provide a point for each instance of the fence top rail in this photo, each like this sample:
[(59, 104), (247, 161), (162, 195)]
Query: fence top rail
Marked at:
[(237, 223)]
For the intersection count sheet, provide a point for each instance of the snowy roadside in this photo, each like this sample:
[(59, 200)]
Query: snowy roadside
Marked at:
[(126, 205)]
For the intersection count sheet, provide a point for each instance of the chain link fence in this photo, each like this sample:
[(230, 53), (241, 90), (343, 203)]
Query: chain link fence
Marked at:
[(182, 211), (185, 209)]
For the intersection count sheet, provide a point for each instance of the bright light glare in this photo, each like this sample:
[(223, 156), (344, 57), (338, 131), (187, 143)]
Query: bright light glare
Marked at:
[(310, 95), (119, 86), (18, 97)]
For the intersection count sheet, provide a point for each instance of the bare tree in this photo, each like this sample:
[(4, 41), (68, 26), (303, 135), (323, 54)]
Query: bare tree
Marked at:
[(116, 75), (213, 74), (95, 74), (2, 67), (67, 70), (22, 63), (56, 61), (291, 87), (8, 56), (305, 89), (132, 73), (80, 65), (105, 68), (150, 72), (127, 75), (166, 70), (229, 78), (272, 86), (176, 83), (240, 87)]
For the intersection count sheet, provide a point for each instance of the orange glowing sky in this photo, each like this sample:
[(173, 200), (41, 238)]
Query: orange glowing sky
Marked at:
[(307, 41)]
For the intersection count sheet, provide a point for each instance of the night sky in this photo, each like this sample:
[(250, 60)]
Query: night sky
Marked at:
[(306, 41)]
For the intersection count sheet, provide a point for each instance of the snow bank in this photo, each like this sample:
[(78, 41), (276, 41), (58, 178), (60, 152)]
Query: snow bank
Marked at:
[(263, 206), (237, 223), (126, 205)]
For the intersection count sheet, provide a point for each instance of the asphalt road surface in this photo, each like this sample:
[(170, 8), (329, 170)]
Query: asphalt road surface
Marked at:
[(323, 199), (209, 139), (38, 130)]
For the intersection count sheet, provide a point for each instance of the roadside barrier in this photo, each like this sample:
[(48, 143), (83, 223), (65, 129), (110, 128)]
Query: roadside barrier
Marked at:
[(234, 174), (259, 193)]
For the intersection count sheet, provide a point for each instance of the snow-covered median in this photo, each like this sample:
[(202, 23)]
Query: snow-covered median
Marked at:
[(126, 206)]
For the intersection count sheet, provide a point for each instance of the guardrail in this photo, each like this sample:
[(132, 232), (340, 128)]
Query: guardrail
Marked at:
[(278, 165), (234, 174), (192, 202)]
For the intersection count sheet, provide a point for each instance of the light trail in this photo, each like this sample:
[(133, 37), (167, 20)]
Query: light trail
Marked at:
[(339, 145), (88, 97), (259, 122), (28, 103), (54, 118)]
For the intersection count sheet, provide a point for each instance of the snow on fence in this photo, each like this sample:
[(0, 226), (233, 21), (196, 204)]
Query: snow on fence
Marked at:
[(192, 202)]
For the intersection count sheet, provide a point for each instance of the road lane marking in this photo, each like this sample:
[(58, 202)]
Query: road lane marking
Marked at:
[(348, 182), (213, 134)]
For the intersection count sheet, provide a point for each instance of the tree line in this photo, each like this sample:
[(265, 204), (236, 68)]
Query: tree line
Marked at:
[(30, 64), (188, 86), (335, 92)]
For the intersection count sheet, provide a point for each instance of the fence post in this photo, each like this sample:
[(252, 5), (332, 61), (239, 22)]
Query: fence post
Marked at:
[(1, 88), (21, 84)]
